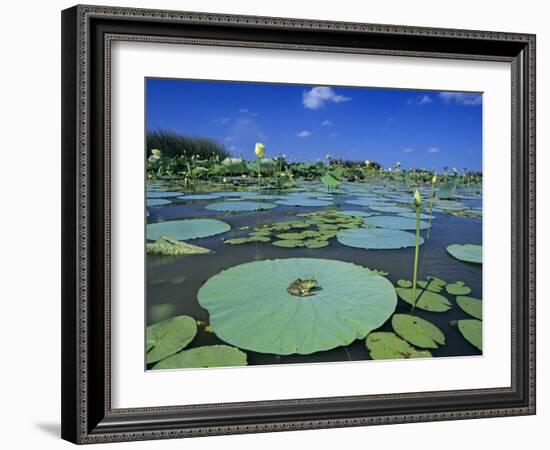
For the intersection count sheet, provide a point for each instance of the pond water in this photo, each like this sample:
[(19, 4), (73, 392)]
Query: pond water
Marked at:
[(173, 282)]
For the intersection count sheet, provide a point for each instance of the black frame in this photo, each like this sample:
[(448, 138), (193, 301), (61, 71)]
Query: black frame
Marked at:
[(87, 32)]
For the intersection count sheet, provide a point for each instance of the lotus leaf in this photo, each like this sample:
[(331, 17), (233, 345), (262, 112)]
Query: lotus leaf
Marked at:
[(426, 300), (159, 194), (417, 331), (303, 201), (199, 197), (432, 284), (291, 236), (377, 238), (151, 202), (167, 246), (395, 223), (350, 301), (288, 243), (186, 229), (368, 202), (234, 206), (467, 252), (458, 288), (404, 283), (206, 356), (315, 243), (386, 345), (471, 329), (358, 213), (390, 209), (471, 306), (169, 336), (412, 215)]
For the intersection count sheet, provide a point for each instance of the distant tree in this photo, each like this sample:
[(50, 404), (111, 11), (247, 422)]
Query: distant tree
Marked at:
[(173, 144)]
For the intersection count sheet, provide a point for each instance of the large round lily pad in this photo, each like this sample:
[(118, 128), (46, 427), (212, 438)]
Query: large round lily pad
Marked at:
[(186, 229), (207, 356), (167, 246), (417, 331), (471, 306), (386, 345), (250, 305), (169, 336), (240, 206), (468, 252), (377, 238), (151, 202), (458, 288), (395, 222), (471, 329)]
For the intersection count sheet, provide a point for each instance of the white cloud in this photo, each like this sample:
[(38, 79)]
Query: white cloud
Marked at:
[(319, 95), (243, 110), (326, 123), (304, 134), (433, 150), (461, 98), (222, 120), (421, 100), (408, 150)]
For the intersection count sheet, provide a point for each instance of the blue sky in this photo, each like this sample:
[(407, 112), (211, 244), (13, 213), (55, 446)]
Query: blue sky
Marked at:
[(429, 129)]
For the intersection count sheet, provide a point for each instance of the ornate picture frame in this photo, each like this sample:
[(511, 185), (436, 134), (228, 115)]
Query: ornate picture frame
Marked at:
[(87, 35)]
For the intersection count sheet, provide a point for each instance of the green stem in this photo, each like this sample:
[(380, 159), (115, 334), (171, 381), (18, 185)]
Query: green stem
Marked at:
[(431, 206), (415, 269), (259, 176)]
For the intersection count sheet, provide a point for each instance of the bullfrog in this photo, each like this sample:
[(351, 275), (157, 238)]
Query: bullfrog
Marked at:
[(302, 288)]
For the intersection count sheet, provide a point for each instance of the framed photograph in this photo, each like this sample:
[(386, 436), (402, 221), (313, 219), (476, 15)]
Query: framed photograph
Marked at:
[(282, 224)]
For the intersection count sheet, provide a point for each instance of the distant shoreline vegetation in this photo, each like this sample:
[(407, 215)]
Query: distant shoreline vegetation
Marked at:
[(171, 155)]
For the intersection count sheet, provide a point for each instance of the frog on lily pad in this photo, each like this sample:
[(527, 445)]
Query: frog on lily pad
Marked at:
[(303, 288)]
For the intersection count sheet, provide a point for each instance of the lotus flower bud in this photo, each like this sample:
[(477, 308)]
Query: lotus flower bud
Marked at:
[(434, 179), (367, 163), (417, 199), (259, 150), (225, 180)]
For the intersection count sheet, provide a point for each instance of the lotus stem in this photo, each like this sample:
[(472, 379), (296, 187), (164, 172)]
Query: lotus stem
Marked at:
[(259, 176), (434, 180), (417, 203)]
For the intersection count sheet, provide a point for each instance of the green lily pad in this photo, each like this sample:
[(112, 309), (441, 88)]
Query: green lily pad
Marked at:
[(169, 336), (432, 284), (390, 209), (240, 206), (471, 306), (288, 243), (358, 213), (471, 329), (348, 303), (291, 236), (458, 288), (412, 215), (314, 243), (206, 356), (468, 252), (157, 202), (186, 229), (386, 345), (426, 300), (303, 201), (199, 197), (377, 238), (404, 283), (160, 194), (395, 223), (167, 246), (417, 331)]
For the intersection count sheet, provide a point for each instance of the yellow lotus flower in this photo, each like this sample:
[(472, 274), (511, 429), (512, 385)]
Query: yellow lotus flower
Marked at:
[(259, 150), (417, 199)]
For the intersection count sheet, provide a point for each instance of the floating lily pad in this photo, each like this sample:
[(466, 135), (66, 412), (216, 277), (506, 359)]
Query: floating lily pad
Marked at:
[(303, 201), (199, 197), (467, 252), (390, 209), (367, 202), (206, 356), (160, 194), (349, 302), (395, 222), (357, 213), (458, 288), (291, 236), (417, 331), (151, 202), (186, 229), (412, 215), (386, 345), (426, 300), (471, 306), (169, 336), (471, 329), (167, 246), (377, 238), (404, 283), (314, 243), (288, 243), (240, 206), (432, 284)]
